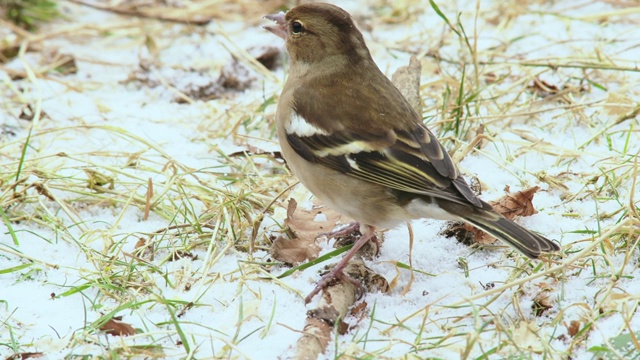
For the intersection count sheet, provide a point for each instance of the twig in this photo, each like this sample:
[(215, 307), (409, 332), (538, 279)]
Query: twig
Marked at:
[(164, 14)]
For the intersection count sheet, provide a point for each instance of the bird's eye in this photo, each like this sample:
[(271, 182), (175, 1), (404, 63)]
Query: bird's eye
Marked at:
[(296, 27)]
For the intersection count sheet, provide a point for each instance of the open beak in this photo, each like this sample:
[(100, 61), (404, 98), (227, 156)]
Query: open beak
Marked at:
[(279, 28)]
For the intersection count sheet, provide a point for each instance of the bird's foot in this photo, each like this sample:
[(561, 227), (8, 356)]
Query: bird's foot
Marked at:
[(349, 234), (336, 274)]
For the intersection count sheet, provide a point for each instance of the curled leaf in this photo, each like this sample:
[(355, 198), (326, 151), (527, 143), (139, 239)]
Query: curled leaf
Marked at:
[(517, 204), (305, 226), (117, 328)]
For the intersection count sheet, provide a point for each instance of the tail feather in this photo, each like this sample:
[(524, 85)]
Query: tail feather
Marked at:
[(525, 241)]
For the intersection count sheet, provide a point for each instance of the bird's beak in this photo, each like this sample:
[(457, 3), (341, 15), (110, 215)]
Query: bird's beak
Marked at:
[(279, 28)]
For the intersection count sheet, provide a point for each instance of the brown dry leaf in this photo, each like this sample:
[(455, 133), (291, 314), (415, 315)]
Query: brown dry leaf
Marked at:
[(369, 279), (184, 309), (294, 251), (28, 113), (118, 328), (509, 206), (181, 254), (478, 235), (573, 328), (358, 310), (143, 249), (518, 204), (140, 243), (306, 225), (541, 303)]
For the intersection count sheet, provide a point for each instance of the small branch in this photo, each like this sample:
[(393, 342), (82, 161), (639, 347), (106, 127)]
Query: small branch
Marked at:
[(332, 309), (160, 13)]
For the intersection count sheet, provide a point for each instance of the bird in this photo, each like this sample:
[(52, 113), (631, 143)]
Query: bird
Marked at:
[(357, 145)]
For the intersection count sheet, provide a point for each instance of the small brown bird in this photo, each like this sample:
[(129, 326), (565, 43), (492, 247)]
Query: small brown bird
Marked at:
[(354, 141)]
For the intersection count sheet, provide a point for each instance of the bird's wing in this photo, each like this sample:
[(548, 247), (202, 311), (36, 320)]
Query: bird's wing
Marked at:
[(409, 161)]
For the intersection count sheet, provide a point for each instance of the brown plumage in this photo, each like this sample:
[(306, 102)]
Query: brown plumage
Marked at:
[(356, 143)]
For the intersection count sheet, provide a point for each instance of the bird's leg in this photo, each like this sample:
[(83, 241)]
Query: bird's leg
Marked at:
[(348, 231), (338, 271), (343, 231)]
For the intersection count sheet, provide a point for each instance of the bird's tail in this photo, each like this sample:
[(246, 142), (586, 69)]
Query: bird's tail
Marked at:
[(525, 241)]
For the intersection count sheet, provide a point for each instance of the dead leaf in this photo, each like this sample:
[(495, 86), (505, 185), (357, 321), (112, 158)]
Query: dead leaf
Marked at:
[(509, 206), (541, 303), (28, 113), (305, 226), (573, 328), (8, 52), (117, 328), (358, 310), (371, 281), (294, 251), (140, 243), (518, 204), (180, 254), (308, 224), (477, 235), (143, 249)]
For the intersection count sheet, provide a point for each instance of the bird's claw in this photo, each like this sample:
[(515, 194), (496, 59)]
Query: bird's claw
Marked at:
[(330, 278)]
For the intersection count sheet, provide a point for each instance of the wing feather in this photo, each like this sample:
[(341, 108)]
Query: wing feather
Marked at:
[(412, 162)]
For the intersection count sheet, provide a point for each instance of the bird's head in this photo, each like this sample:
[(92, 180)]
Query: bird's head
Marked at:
[(318, 31)]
